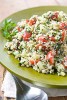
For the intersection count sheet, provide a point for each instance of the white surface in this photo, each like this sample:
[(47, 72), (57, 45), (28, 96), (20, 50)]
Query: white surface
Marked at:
[(9, 88)]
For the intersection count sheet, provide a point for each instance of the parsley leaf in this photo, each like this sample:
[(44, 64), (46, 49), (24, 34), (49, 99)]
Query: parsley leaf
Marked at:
[(7, 28)]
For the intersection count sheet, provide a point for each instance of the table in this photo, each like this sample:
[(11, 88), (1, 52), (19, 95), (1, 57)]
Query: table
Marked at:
[(10, 6)]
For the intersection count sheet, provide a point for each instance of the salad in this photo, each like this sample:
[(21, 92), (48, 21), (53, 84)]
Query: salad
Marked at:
[(39, 42)]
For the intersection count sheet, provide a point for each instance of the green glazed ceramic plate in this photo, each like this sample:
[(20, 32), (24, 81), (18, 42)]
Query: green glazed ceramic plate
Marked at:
[(28, 74)]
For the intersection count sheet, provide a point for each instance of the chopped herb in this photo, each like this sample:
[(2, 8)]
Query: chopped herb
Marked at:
[(8, 25)]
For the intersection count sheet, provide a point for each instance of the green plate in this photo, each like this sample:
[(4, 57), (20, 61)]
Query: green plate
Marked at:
[(28, 74)]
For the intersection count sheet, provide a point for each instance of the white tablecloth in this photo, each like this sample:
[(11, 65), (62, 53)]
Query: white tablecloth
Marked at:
[(9, 88)]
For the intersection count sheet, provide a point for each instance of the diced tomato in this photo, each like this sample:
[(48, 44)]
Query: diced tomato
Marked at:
[(26, 36), (64, 64), (27, 20), (19, 29), (32, 22), (54, 16), (63, 25), (63, 36), (52, 38), (43, 47), (32, 61), (42, 39), (50, 57), (51, 60)]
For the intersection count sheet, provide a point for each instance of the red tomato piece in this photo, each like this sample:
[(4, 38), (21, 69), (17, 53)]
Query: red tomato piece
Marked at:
[(26, 36), (19, 29), (63, 25), (32, 22), (43, 47), (42, 39), (64, 64), (51, 60), (52, 38), (27, 20), (50, 57), (63, 36), (54, 16), (32, 61)]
